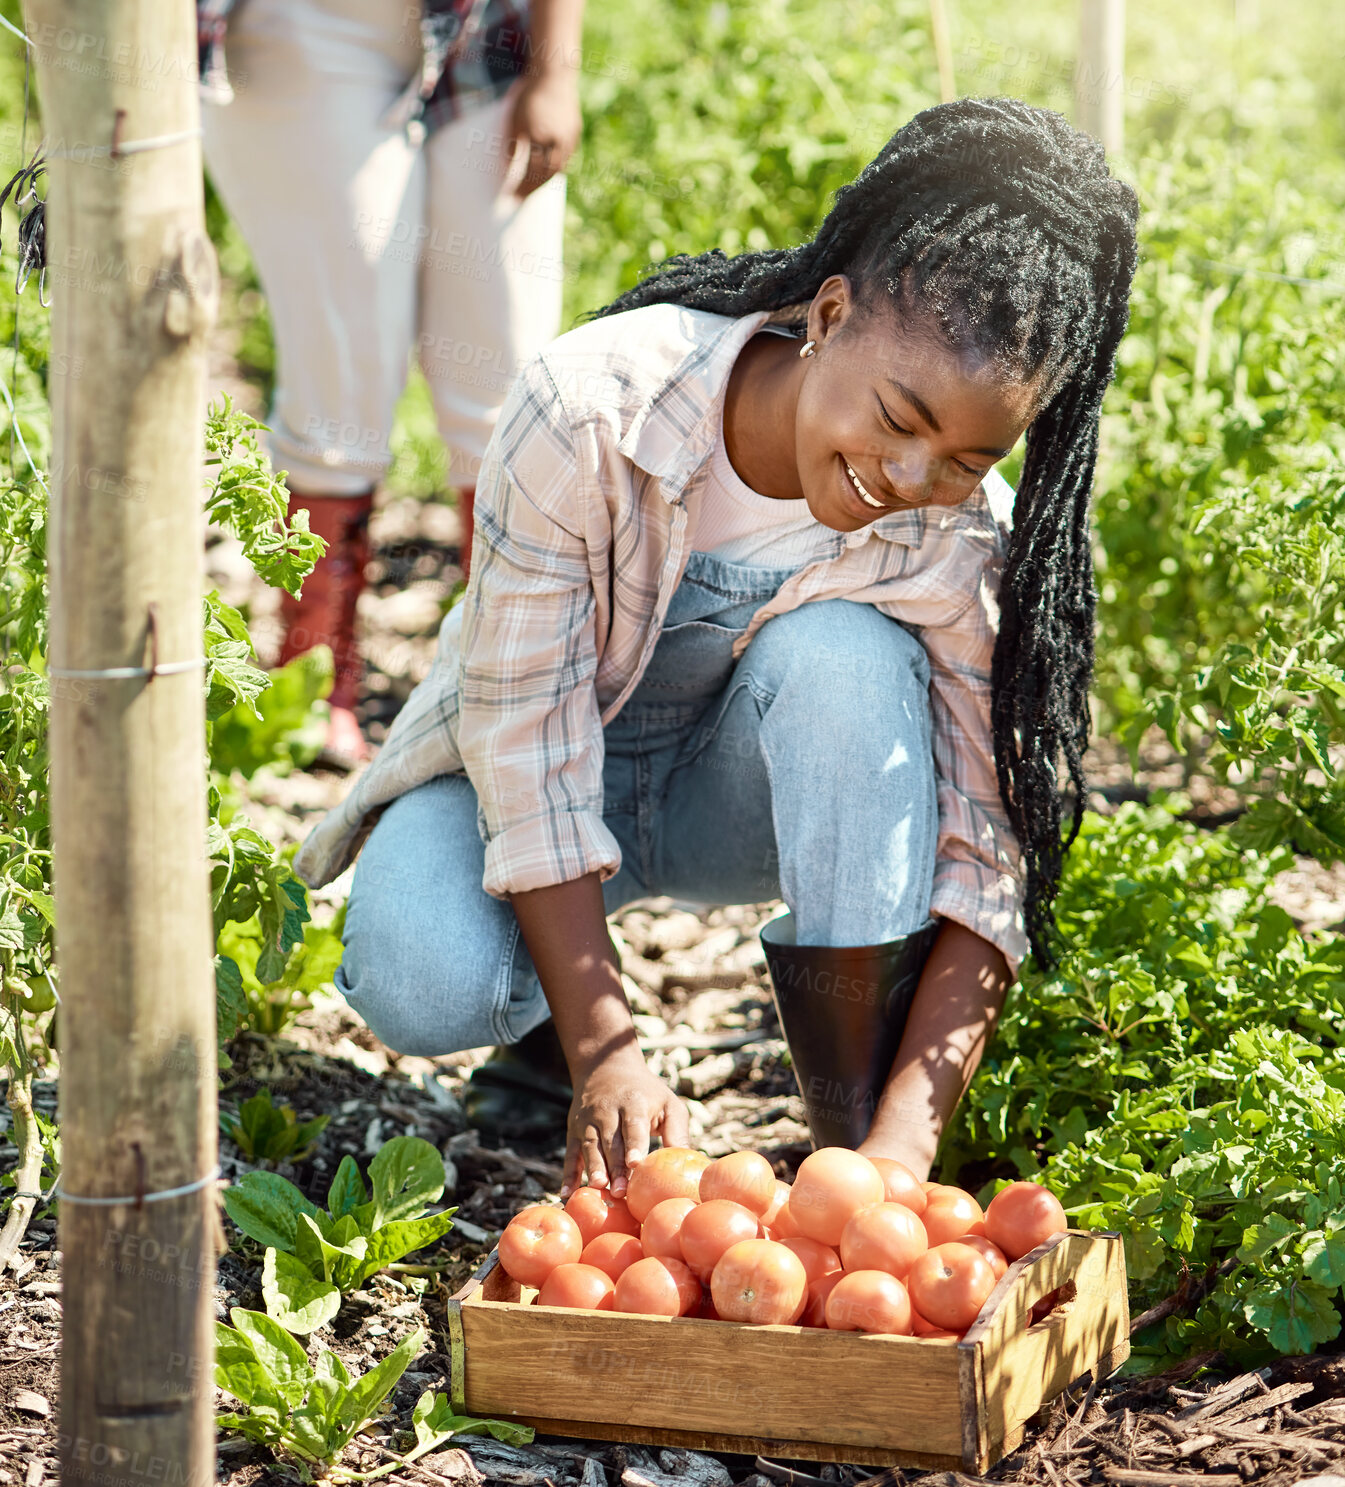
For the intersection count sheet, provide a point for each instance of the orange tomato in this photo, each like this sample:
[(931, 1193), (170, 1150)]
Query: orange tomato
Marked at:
[(921, 1328), (949, 1285), (657, 1287), (1022, 1216), (785, 1225), (536, 1240), (832, 1184), (660, 1234), (992, 1252), (597, 1212), (772, 1214), (612, 1253), (577, 1285), (710, 1228), (760, 1281), (818, 1259), (887, 1236), (900, 1183), (669, 1172), (743, 1177), (950, 1216), (815, 1303), (869, 1301)]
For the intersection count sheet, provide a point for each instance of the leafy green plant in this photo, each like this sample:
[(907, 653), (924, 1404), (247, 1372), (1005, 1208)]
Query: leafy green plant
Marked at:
[(314, 1256), (1178, 1078), (311, 1412), (267, 1133), (283, 728)]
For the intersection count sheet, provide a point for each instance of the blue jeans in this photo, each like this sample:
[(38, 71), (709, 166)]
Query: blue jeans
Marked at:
[(802, 771)]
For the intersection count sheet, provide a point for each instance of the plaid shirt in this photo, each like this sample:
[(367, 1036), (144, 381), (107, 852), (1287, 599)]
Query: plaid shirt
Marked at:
[(471, 51), (582, 534)]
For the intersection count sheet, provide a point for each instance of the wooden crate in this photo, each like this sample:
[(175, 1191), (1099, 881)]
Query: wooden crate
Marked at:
[(796, 1392)]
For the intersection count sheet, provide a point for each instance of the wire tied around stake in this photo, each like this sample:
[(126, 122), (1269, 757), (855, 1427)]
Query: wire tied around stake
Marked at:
[(131, 673), (139, 1198)]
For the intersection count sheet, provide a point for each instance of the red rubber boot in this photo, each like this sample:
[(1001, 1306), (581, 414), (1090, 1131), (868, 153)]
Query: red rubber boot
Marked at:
[(324, 614)]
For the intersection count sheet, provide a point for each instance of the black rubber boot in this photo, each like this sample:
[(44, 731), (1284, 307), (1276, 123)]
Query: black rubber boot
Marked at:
[(523, 1089), (843, 1010)]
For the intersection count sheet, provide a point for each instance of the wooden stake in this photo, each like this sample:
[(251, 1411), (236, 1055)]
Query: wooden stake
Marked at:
[(134, 287), (1099, 77), (943, 50)]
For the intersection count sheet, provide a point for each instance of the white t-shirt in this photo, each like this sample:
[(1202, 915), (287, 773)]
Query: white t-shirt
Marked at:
[(733, 522)]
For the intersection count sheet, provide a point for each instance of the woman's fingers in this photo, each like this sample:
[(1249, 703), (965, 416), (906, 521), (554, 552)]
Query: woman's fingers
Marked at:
[(675, 1125), (635, 1132), (595, 1163)]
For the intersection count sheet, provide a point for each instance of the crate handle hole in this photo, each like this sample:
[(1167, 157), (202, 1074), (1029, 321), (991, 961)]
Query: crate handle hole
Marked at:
[(1051, 1303)]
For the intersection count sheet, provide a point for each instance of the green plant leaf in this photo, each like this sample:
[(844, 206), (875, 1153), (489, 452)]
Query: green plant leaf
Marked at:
[(239, 1371), (433, 1421), (278, 1352), (405, 1176), (347, 1190), (1324, 1259), (1295, 1317), (297, 1299), (402, 1237), (266, 1208), (368, 1392)]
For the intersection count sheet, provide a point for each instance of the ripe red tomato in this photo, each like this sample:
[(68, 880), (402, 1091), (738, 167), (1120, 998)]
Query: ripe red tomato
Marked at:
[(950, 1215), (760, 1281), (869, 1301), (921, 1328), (832, 1184), (815, 1303), (772, 1214), (583, 1286), (949, 1285), (743, 1177), (818, 1259), (612, 1253), (536, 1240), (657, 1287), (597, 1212), (710, 1228), (669, 1172), (1022, 1216), (785, 1225), (660, 1234), (887, 1236), (901, 1184), (992, 1252)]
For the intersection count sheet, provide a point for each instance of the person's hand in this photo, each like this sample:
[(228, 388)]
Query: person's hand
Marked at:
[(544, 124), (618, 1106)]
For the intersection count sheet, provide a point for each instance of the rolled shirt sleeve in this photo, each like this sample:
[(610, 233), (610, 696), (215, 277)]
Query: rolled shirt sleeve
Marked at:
[(977, 880), (530, 732)]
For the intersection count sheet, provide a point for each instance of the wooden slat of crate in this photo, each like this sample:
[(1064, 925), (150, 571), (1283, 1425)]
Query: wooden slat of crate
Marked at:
[(787, 1390), (1017, 1366)]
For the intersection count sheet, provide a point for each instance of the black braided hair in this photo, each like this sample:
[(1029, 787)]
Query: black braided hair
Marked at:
[(998, 225)]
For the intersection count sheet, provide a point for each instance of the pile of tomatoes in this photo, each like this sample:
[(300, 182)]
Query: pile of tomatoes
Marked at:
[(855, 1244)]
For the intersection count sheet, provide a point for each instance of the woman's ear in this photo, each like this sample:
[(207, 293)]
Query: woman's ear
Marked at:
[(832, 306)]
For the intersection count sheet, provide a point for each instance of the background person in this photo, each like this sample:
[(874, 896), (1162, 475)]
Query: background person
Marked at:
[(396, 176)]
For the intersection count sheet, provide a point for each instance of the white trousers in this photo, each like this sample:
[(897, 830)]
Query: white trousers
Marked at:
[(370, 247)]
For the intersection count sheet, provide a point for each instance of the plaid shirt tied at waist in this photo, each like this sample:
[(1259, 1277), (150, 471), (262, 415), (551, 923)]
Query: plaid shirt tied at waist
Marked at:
[(582, 534)]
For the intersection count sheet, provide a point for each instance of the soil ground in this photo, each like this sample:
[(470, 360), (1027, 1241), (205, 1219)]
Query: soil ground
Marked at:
[(698, 988)]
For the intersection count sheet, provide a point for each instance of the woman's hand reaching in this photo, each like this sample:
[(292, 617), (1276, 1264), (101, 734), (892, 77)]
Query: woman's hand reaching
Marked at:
[(618, 1107)]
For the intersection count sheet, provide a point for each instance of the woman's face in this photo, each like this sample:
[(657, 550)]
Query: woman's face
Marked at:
[(892, 419)]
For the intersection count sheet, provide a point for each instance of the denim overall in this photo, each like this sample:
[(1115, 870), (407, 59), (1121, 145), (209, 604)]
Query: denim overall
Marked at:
[(803, 770)]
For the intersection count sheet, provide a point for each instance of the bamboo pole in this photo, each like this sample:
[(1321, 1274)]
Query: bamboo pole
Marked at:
[(943, 50), (134, 288), (1099, 77)]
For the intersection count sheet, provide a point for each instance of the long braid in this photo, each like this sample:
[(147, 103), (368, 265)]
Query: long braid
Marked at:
[(1001, 224)]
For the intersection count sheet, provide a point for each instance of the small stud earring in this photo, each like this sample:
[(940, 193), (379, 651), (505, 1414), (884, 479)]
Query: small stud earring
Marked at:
[(808, 348)]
